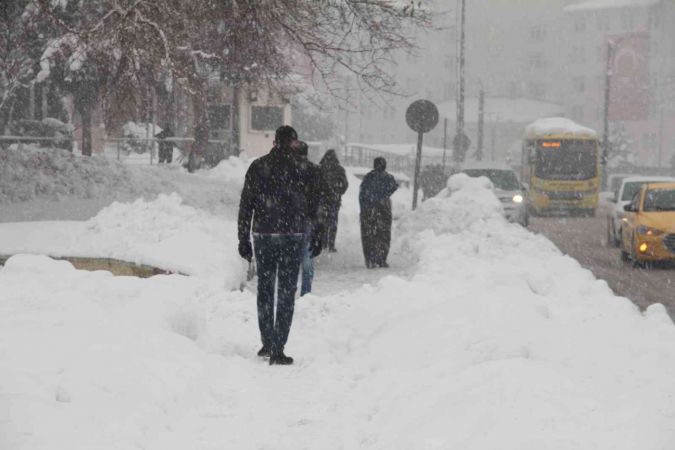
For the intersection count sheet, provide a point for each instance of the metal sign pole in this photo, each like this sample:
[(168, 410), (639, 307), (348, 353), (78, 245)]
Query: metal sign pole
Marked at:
[(418, 161)]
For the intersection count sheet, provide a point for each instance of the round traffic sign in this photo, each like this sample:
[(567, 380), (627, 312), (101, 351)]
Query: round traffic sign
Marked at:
[(421, 116)]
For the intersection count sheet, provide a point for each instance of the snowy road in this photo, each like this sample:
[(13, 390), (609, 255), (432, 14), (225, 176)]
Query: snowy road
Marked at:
[(584, 240)]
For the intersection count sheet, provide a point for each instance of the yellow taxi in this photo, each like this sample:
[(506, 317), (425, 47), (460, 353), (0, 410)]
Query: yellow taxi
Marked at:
[(648, 228)]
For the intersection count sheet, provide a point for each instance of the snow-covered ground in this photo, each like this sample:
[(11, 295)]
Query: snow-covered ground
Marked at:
[(481, 336)]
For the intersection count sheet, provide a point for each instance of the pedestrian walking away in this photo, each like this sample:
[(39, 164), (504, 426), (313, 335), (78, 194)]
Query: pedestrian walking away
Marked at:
[(314, 228), (336, 182), (374, 199), (165, 151), (275, 208)]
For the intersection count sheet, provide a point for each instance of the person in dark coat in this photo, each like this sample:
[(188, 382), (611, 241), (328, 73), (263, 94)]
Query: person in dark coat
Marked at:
[(376, 188), (276, 206), (165, 147), (336, 182), (316, 226)]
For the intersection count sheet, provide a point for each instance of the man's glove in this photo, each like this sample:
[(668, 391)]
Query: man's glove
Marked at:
[(316, 241), (245, 249)]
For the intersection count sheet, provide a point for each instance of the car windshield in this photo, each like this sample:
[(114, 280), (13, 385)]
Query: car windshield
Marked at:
[(659, 200), (505, 180), (630, 189)]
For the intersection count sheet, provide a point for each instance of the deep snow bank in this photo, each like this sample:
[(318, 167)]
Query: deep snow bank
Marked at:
[(163, 233), (497, 341)]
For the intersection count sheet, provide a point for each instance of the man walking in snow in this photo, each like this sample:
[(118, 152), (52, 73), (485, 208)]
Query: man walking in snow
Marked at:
[(376, 188), (276, 207), (165, 147), (313, 227), (336, 182)]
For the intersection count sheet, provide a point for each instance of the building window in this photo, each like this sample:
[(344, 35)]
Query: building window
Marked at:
[(604, 21), (578, 54), (578, 84), (266, 117), (627, 19), (220, 120), (654, 18), (537, 90), (537, 61), (537, 33), (578, 113), (579, 24)]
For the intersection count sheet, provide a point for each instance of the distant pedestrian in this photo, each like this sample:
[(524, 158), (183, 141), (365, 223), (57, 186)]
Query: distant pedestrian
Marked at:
[(374, 198), (336, 182), (313, 227), (165, 147), (276, 207)]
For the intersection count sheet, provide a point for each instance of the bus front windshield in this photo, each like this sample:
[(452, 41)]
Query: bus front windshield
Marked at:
[(566, 160)]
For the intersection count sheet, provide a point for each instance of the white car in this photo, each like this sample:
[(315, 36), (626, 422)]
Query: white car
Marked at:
[(622, 196), (508, 188)]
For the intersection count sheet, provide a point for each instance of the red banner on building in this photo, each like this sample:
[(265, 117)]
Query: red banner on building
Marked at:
[(629, 95)]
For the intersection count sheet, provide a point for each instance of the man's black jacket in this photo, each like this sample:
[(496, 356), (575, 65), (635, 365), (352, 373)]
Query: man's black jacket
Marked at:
[(280, 195)]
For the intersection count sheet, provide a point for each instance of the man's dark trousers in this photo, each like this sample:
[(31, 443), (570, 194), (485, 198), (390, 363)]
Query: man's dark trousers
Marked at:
[(277, 258)]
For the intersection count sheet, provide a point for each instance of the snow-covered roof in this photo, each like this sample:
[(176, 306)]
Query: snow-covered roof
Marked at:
[(648, 179), (401, 149), (556, 126), (503, 109), (489, 165), (609, 4)]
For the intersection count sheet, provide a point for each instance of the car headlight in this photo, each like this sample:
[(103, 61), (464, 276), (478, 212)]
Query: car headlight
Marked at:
[(517, 198), (648, 231)]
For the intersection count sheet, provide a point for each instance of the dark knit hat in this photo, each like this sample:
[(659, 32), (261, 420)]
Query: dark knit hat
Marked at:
[(284, 135), (380, 163)]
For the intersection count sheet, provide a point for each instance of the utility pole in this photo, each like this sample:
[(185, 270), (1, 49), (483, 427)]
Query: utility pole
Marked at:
[(481, 114), (605, 138), (460, 94), (660, 135), (445, 140)]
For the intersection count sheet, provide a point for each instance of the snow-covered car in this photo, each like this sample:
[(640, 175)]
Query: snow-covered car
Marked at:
[(622, 196), (507, 186)]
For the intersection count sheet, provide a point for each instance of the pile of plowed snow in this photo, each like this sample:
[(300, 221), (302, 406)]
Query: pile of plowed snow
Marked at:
[(39, 173)]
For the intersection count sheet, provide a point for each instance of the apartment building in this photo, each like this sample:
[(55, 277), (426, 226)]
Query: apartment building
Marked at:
[(641, 34)]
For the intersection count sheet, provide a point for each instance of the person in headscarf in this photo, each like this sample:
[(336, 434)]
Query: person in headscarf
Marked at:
[(374, 199), (335, 178)]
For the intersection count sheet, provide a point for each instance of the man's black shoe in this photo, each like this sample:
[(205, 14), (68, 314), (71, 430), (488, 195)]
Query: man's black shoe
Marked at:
[(264, 352), (384, 264), (281, 360), (332, 250)]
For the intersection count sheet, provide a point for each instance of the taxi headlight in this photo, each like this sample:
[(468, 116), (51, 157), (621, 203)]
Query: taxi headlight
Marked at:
[(517, 198), (648, 231)]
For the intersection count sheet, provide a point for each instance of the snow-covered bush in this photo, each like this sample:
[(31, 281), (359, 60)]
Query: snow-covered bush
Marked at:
[(54, 174), (136, 135), (47, 127)]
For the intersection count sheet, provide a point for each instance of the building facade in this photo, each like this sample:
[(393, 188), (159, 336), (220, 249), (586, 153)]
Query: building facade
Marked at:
[(639, 38)]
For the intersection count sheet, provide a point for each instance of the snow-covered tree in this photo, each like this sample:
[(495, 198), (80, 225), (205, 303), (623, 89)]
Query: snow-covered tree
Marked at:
[(145, 41), (621, 152), (20, 47), (312, 116)]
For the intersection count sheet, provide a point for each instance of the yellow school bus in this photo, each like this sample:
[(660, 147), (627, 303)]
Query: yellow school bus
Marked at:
[(561, 164)]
